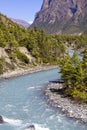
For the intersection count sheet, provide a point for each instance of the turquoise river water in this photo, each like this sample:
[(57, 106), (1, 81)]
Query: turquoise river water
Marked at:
[(22, 103)]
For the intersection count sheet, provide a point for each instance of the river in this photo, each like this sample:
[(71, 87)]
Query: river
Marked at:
[(22, 103)]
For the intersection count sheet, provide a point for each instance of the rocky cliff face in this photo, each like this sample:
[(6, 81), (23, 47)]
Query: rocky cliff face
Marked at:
[(62, 16)]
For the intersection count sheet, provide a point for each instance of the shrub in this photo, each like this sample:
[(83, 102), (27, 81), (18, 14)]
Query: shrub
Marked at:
[(80, 96), (1, 66), (22, 57)]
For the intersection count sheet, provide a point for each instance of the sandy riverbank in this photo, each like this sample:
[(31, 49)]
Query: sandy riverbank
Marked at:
[(20, 72), (66, 105)]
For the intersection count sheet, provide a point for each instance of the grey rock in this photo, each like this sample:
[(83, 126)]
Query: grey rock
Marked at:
[(62, 16), (66, 105), (31, 127), (1, 119)]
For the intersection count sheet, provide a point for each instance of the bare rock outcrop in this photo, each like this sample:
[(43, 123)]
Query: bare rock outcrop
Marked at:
[(62, 16)]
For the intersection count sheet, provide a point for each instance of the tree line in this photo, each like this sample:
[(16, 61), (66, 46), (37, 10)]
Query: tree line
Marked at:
[(74, 74)]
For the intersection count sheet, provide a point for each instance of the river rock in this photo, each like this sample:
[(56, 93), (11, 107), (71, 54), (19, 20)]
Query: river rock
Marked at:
[(69, 107), (31, 127), (1, 119)]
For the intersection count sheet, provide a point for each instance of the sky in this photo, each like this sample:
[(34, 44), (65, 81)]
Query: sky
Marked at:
[(20, 9)]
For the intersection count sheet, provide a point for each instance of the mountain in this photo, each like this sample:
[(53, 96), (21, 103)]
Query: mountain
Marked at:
[(62, 16), (13, 55), (22, 48), (21, 22)]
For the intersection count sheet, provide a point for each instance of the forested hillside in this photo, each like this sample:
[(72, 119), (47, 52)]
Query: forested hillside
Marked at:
[(40, 47), (21, 47)]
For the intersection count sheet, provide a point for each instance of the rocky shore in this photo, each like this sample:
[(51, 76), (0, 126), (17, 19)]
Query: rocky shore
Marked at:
[(70, 108), (20, 72)]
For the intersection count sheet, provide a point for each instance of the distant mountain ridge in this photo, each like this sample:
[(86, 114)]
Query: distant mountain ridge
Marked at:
[(22, 23), (62, 16)]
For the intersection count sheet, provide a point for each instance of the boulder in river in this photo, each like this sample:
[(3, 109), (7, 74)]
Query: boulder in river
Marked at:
[(31, 127), (1, 119)]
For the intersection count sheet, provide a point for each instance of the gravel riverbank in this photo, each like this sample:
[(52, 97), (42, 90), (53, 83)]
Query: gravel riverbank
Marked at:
[(66, 105), (20, 72)]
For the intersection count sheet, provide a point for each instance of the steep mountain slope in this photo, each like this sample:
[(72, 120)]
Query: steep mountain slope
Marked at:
[(22, 48), (10, 32), (21, 22), (62, 16), (11, 55)]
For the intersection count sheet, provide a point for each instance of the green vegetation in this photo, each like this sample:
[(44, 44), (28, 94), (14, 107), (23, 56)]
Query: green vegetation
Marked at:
[(22, 57), (46, 49), (74, 73), (76, 42), (1, 65)]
